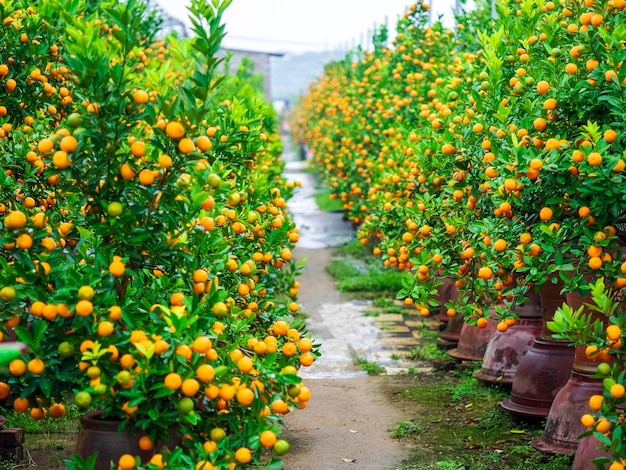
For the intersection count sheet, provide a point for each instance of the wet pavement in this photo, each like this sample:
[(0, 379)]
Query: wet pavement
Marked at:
[(317, 229), (349, 330)]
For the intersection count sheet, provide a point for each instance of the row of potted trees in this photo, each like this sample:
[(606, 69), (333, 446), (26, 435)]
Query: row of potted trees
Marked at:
[(491, 156), (145, 246)]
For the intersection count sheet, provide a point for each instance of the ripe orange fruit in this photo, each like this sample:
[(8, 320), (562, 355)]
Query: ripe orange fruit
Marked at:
[(145, 443), (105, 328), (289, 349), (37, 413), (587, 420), (200, 275), (190, 387), (69, 144), (594, 159), (157, 460), (482, 322), (184, 351), (245, 364), (499, 245), (138, 149), (127, 172), (546, 214), (205, 373), (202, 344), (617, 390), (177, 299), (17, 367), (549, 104), (36, 366), (126, 462), (173, 381), (485, 273), (24, 241), (613, 333), (15, 220), (243, 455), (306, 359), (115, 313), (186, 146), (61, 160), (268, 438), (227, 392), (5, 390), (595, 262), (127, 361), (117, 268), (279, 406), (84, 308), (603, 426), (245, 396), (595, 402), (45, 145), (57, 410), (280, 328), (610, 135), (174, 130), (146, 177), (204, 143), (21, 404), (141, 97), (543, 87)]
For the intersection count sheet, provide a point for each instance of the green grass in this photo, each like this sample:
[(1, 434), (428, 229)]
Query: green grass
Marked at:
[(460, 417), (427, 352), (356, 269), (372, 368), (383, 302), (326, 204), (69, 422), (404, 429), (341, 269)]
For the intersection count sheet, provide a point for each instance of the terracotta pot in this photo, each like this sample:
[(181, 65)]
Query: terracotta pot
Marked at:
[(450, 327), (506, 349), (473, 342), (546, 366), (588, 449), (449, 338), (103, 436), (563, 425), (447, 291)]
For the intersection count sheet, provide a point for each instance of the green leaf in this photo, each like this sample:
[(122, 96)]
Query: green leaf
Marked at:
[(164, 392)]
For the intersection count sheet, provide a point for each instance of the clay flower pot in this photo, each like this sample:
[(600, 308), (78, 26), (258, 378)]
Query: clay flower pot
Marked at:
[(101, 435), (545, 368), (505, 350), (473, 341), (563, 425)]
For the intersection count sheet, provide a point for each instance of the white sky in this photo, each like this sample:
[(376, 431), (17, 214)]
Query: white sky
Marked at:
[(304, 25)]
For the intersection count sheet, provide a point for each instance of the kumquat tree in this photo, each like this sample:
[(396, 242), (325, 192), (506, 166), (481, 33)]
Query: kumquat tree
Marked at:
[(145, 246), (492, 155)]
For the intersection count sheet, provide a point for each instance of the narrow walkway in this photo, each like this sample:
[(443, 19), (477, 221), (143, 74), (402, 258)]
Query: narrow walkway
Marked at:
[(347, 421)]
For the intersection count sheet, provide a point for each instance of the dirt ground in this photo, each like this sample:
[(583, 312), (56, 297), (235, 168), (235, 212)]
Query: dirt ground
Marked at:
[(347, 420)]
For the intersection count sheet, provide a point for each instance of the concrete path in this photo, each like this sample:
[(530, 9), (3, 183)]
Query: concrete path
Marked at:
[(347, 422)]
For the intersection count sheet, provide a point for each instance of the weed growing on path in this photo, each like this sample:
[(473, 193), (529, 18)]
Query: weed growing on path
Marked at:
[(372, 368), (404, 429)]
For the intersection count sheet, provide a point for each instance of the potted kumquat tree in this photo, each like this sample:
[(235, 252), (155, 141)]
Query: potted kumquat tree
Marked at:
[(147, 253)]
